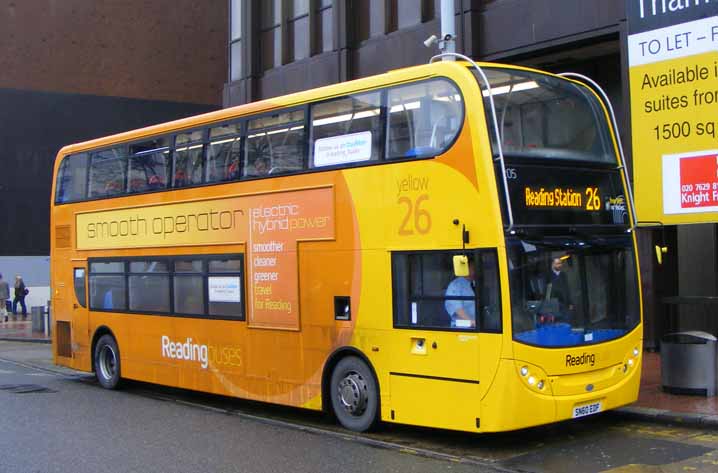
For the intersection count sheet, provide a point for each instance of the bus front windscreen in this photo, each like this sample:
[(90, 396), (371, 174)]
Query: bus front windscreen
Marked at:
[(542, 116), (570, 292)]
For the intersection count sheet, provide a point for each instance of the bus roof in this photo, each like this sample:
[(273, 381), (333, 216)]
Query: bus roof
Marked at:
[(297, 98)]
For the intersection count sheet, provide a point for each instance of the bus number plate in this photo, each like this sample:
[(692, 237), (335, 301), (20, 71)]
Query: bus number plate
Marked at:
[(586, 409)]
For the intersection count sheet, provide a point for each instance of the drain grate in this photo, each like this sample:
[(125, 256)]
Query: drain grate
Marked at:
[(25, 388)]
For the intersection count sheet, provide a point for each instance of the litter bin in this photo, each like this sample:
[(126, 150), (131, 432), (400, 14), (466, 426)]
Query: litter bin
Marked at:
[(688, 363), (38, 321)]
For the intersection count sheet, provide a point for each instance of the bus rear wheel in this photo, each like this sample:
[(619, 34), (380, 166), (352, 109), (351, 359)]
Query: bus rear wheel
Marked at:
[(107, 362), (354, 394)]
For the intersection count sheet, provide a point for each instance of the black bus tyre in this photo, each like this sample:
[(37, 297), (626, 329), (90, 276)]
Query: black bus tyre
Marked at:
[(107, 362), (354, 394)]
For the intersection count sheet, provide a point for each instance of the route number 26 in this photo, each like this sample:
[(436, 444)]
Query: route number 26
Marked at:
[(593, 201), (421, 221)]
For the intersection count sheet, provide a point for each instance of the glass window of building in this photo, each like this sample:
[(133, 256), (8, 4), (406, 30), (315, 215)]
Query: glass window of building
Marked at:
[(324, 27), (271, 33), (235, 41), (372, 18), (298, 30), (407, 13)]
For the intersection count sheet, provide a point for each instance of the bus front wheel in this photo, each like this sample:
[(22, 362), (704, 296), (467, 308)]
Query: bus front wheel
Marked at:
[(107, 362), (354, 394)]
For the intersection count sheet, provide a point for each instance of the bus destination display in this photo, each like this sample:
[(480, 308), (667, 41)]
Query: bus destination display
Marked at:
[(564, 196)]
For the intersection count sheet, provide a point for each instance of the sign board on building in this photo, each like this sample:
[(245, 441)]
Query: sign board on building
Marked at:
[(673, 65)]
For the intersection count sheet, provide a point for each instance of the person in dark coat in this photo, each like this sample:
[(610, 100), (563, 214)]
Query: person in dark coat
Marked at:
[(4, 296), (558, 301), (557, 288), (20, 293)]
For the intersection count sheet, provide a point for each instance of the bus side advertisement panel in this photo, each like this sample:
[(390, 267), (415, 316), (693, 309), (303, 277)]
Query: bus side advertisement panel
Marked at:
[(269, 224)]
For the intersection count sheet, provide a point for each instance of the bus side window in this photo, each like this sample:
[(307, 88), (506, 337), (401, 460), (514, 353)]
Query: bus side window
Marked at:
[(149, 284), (79, 284), (108, 169), (223, 153), (108, 286), (149, 165), (225, 287), (424, 118), (72, 179), (275, 144), (427, 294), (188, 159), (347, 130)]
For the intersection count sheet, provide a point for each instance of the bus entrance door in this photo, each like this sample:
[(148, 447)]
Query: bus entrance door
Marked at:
[(80, 314), (434, 379)]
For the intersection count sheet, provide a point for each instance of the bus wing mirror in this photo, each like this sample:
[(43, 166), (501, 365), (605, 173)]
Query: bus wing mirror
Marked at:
[(461, 266), (660, 251)]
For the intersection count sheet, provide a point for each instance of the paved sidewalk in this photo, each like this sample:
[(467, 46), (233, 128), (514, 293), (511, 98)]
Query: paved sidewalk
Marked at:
[(21, 330), (653, 404)]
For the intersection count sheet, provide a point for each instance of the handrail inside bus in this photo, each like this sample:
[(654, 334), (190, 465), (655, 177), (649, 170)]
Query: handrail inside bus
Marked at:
[(496, 128), (614, 124)]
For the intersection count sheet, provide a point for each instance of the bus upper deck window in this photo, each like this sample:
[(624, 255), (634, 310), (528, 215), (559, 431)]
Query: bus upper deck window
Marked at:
[(424, 118), (349, 123), (541, 116), (188, 159), (275, 144), (149, 165), (108, 169), (72, 179), (223, 153)]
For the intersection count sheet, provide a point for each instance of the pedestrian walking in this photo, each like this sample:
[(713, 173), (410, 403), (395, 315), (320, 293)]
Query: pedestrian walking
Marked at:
[(20, 292), (4, 296)]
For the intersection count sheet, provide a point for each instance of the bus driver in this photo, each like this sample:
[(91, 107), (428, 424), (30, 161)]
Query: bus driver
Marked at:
[(462, 309), (557, 289)]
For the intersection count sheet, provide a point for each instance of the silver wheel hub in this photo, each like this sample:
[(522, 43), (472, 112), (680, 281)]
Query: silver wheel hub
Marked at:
[(353, 394), (108, 362)]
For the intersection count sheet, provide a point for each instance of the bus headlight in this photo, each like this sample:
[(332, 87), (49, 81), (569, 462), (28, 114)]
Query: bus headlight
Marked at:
[(533, 377), (635, 352)]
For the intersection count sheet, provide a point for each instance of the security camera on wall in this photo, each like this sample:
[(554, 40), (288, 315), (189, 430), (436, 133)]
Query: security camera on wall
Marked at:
[(431, 40)]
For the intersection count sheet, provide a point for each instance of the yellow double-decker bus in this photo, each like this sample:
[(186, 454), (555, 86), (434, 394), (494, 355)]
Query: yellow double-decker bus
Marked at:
[(447, 245)]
